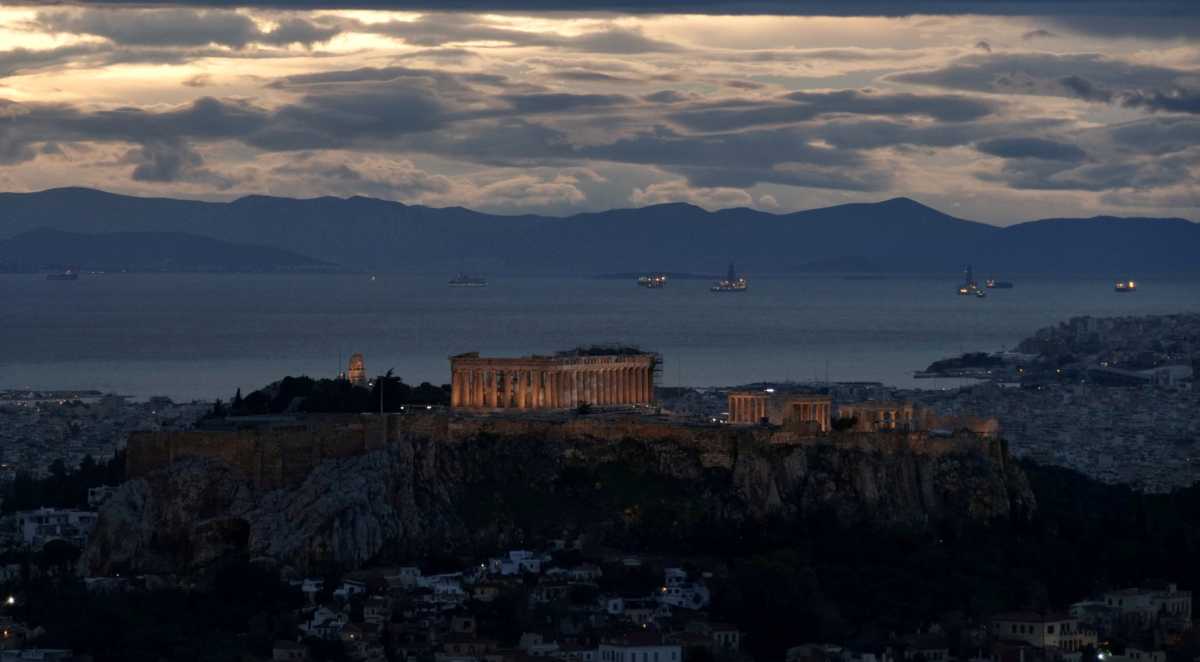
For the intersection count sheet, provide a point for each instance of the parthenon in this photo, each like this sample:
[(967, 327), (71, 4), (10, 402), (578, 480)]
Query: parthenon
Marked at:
[(561, 381)]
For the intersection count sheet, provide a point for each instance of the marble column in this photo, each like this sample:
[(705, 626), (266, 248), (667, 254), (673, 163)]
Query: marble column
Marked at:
[(477, 388)]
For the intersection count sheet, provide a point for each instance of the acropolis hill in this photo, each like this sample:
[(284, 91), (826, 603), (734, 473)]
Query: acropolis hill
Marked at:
[(340, 489), (281, 453)]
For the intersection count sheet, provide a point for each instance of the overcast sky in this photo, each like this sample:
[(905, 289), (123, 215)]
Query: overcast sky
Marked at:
[(1033, 110)]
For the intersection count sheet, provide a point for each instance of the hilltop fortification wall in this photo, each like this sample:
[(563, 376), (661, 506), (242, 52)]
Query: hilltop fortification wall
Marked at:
[(282, 455)]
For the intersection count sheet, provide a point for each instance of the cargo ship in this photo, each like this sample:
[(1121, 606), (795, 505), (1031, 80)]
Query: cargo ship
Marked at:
[(652, 281), (731, 283), (1125, 286), (66, 274), (463, 280), (993, 284)]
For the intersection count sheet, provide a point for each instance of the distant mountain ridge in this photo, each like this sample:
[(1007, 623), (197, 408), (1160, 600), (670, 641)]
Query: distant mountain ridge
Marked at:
[(47, 249), (369, 234)]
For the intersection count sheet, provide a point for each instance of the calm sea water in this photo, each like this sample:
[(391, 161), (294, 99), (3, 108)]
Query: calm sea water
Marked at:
[(202, 336)]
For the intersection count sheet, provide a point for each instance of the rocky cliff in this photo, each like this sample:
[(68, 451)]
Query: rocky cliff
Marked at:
[(419, 495)]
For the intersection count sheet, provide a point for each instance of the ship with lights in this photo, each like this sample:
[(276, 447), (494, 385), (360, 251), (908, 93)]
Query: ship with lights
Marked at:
[(652, 281), (731, 283)]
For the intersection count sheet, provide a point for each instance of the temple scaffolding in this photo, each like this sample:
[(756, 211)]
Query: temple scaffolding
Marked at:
[(562, 381)]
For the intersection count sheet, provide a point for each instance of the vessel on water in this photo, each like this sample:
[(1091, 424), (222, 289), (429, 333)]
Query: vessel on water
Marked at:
[(66, 274), (463, 280), (970, 286), (652, 281), (993, 284), (1125, 286), (731, 283)]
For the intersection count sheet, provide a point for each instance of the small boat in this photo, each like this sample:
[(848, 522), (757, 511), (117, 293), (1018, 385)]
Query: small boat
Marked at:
[(66, 274), (731, 283), (652, 281), (1125, 286), (979, 294), (463, 280), (993, 284)]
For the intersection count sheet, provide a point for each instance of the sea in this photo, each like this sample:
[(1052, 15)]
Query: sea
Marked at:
[(202, 336)]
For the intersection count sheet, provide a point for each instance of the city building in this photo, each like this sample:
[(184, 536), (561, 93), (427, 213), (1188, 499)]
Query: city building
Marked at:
[(591, 376), (781, 408), (1145, 608), (40, 526), (1057, 631), (639, 646)]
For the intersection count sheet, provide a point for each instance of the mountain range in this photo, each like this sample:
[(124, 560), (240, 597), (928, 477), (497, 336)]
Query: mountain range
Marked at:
[(367, 234), (49, 249)]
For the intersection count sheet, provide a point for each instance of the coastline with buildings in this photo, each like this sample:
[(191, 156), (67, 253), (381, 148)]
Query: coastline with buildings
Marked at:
[(304, 489)]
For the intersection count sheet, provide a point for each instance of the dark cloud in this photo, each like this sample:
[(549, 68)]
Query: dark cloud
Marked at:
[(1085, 89), (22, 60), (743, 158), (163, 161), (884, 133), (562, 102), (744, 85), (183, 27), (1037, 34), (1158, 135), (1048, 175), (1089, 77), (589, 76), (445, 82), (1031, 148), (294, 30), (350, 176), (802, 106), (154, 27), (1177, 100), (666, 96)]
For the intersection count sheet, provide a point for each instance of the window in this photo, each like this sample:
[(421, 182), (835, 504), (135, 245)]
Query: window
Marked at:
[(1049, 629)]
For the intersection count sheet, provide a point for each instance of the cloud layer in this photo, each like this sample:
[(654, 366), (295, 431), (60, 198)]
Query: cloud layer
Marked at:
[(998, 118)]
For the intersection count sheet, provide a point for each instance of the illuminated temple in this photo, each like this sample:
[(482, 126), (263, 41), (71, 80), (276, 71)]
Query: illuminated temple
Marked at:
[(803, 409), (592, 376)]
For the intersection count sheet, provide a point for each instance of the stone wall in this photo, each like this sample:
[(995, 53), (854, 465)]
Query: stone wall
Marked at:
[(279, 456)]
